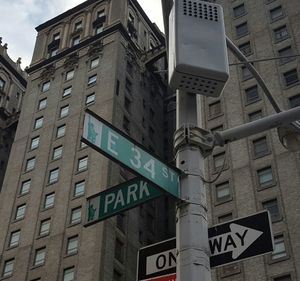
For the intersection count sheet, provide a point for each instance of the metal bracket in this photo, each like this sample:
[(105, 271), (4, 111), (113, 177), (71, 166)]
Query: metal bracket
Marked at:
[(190, 135)]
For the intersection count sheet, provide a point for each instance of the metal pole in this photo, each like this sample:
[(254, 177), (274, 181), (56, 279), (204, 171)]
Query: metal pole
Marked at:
[(245, 130), (191, 215)]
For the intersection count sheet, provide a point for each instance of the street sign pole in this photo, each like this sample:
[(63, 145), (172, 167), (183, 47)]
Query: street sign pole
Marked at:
[(191, 223)]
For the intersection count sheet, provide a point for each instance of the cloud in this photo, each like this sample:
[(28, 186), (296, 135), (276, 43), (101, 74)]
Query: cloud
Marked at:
[(20, 17)]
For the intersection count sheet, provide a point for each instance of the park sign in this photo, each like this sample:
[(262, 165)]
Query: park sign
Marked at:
[(114, 144), (229, 242), (119, 198)]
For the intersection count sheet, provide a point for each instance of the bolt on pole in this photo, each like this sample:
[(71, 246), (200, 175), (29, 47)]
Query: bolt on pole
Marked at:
[(191, 215)]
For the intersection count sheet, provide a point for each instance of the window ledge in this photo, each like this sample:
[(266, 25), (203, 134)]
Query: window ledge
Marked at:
[(220, 202), (240, 16), (271, 261), (277, 19), (252, 102), (266, 187), (215, 116), (37, 266), (292, 85), (261, 156), (241, 36)]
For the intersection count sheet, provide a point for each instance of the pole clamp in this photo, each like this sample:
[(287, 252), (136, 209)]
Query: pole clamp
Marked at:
[(190, 135)]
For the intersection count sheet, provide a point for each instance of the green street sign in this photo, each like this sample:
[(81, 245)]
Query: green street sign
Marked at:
[(114, 144), (119, 198)]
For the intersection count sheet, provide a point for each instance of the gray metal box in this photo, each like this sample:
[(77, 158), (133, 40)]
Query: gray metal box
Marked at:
[(198, 61)]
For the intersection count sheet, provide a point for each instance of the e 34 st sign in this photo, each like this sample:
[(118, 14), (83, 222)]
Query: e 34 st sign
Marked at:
[(114, 144)]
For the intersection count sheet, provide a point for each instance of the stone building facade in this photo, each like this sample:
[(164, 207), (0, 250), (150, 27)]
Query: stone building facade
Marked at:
[(259, 173), (97, 56), (12, 87)]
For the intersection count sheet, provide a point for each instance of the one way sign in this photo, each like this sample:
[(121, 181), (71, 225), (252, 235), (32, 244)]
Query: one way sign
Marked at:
[(240, 239), (228, 242)]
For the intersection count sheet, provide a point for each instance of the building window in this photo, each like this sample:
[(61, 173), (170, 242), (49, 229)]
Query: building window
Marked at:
[(246, 48), (38, 123), (99, 28), (45, 227), (285, 54), (53, 175), (276, 13), (57, 152), (246, 74), (265, 177), (2, 84), (53, 52), (46, 86), (83, 145), (241, 29), (119, 250), (218, 161), (14, 239), (72, 245), (260, 147), (94, 63), (252, 94), (223, 192), (101, 13), (281, 33), (70, 75), (61, 131), (78, 26), (82, 164), (8, 268), (273, 208), (42, 104), (69, 274), (25, 187), (255, 115), (30, 164), (279, 248), (90, 99), (75, 215), (294, 101), (92, 80), (67, 92), (49, 200), (75, 40), (64, 111), (283, 278), (20, 213), (79, 188), (239, 11), (40, 255), (214, 109), (291, 77), (34, 142), (56, 36)]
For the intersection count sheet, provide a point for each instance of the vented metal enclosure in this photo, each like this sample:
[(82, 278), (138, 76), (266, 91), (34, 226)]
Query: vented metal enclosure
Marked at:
[(198, 61)]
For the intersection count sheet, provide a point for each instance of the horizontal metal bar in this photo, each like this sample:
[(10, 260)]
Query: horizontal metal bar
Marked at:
[(273, 121)]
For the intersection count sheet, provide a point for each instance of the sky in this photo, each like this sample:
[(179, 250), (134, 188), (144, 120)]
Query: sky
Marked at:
[(20, 17)]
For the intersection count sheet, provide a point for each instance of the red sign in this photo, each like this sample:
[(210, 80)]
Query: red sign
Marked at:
[(171, 277)]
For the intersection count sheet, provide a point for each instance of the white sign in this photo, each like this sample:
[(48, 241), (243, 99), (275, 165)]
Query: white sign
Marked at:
[(161, 261), (236, 241)]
